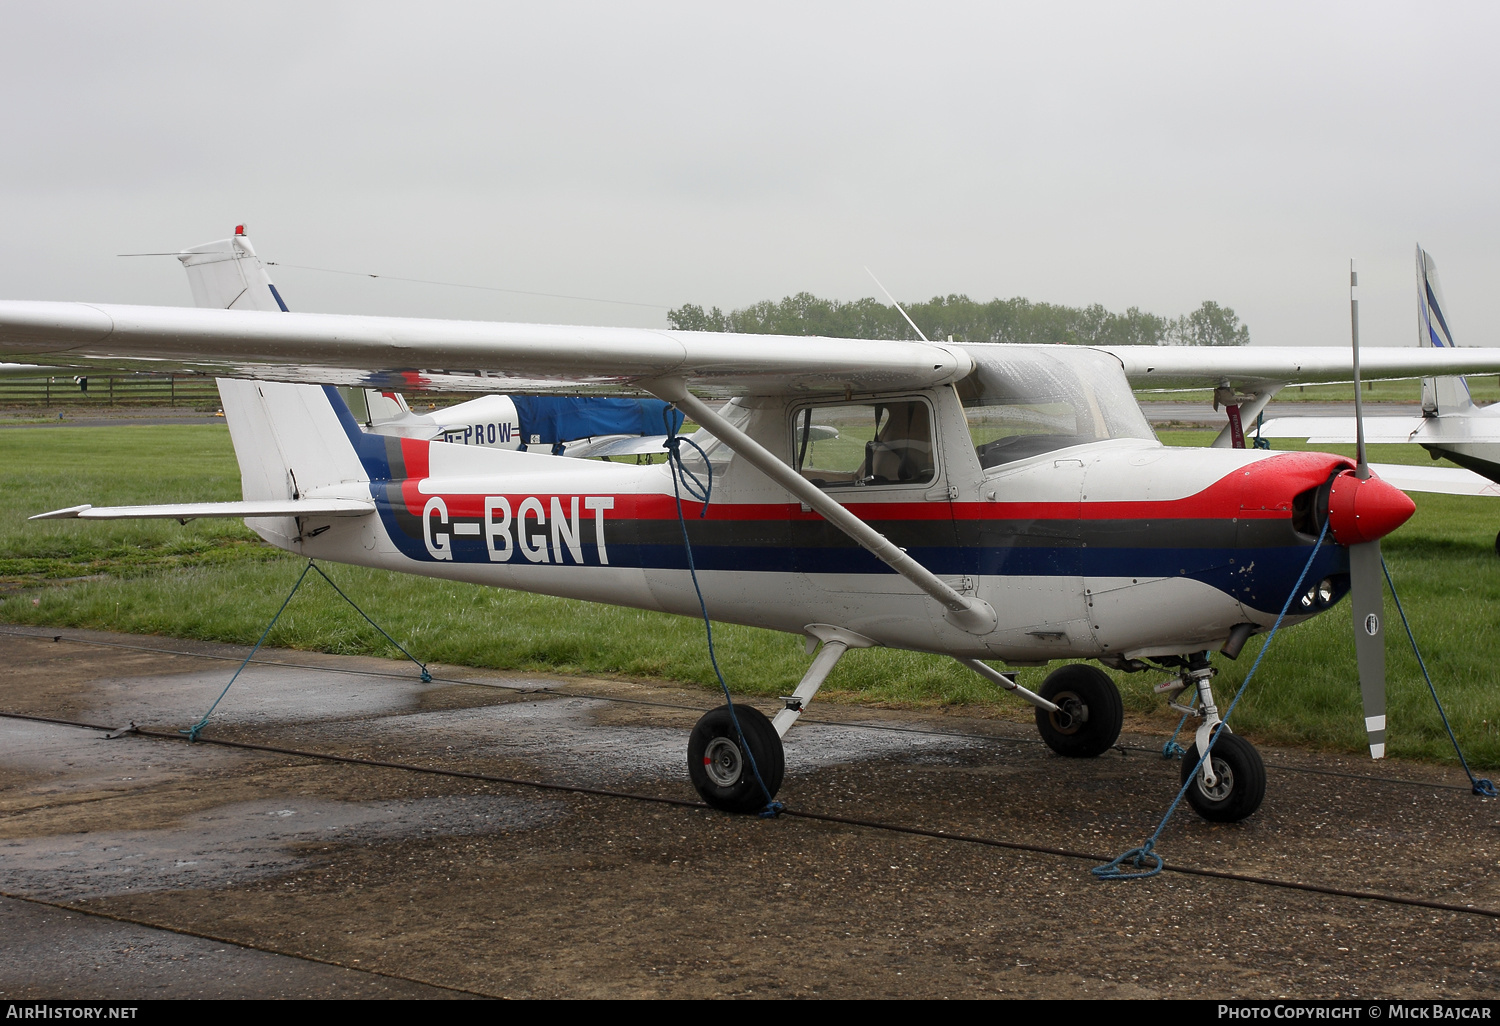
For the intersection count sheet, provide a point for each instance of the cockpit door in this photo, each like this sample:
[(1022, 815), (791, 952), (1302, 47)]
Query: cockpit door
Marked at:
[(881, 459), (1029, 547)]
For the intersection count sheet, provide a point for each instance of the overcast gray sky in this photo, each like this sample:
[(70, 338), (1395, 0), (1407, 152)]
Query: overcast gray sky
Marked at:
[(1148, 154)]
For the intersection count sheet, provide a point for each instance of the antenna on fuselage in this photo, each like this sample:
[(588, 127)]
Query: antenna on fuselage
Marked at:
[(897, 305)]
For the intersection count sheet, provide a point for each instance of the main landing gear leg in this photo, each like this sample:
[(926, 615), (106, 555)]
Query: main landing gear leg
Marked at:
[(1079, 712), (718, 763), (836, 641), (1231, 783)]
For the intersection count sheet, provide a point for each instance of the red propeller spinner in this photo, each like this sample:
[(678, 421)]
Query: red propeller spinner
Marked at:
[(1366, 510)]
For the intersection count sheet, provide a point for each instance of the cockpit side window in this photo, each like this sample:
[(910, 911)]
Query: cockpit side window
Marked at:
[(846, 445), (1022, 402)]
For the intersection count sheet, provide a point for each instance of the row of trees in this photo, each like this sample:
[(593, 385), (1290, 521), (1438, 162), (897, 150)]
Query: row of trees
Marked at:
[(999, 320)]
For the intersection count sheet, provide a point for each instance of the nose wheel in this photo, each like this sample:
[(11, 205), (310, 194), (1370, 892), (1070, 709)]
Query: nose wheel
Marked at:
[(720, 767), (1239, 784)]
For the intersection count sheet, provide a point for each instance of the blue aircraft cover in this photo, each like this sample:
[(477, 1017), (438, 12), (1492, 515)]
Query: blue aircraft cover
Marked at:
[(565, 418)]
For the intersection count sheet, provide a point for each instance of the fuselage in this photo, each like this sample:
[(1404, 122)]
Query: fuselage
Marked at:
[(1115, 549)]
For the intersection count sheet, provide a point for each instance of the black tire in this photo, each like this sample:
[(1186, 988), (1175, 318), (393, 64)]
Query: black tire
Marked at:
[(717, 764), (1091, 716), (1497, 544), (1242, 780)]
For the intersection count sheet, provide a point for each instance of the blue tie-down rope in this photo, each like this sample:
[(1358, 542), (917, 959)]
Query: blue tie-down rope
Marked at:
[(1173, 750), (197, 728), (1145, 860), (700, 491), (1481, 786)]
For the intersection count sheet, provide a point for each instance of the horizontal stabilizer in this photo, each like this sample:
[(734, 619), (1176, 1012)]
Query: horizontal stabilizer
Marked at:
[(195, 510)]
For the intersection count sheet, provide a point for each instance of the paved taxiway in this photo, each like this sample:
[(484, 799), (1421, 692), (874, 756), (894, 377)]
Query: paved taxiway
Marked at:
[(291, 876)]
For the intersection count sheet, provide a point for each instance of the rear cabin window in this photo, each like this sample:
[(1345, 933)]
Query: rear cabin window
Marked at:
[(853, 445), (1023, 402)]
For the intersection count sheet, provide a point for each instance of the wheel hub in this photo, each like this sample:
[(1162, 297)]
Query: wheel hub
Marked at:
[(723, 762), (1223, 786), (1071, 713)]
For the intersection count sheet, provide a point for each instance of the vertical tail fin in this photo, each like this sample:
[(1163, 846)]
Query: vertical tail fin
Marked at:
[(287, 438), (1445, 394), (227, 275)]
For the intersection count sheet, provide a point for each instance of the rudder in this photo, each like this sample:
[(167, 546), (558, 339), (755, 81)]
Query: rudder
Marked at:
[(1450, 393)]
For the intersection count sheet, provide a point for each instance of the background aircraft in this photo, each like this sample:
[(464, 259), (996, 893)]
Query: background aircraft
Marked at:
[(975, 501), (1451, 425)]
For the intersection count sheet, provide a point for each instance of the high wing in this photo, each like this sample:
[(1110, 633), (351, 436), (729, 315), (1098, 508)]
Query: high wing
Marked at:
[(399, 352), (441, 355)]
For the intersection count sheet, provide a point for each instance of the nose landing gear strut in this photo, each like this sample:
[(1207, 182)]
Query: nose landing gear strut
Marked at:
[(1231, 783)]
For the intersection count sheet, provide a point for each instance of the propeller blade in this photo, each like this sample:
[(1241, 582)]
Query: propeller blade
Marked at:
[(1363, 539), (1367, 595)]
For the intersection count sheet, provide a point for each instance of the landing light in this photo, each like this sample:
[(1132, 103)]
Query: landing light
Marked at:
[(1325, 591), (1320, 595)]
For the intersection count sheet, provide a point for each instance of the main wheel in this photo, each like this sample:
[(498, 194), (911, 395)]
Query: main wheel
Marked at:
[(1090, 713), (1241, 784), (717, 764)]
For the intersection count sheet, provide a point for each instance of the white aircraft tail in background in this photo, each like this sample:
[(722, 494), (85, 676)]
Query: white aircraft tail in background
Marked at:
[(1446, 394), (1451, 426)]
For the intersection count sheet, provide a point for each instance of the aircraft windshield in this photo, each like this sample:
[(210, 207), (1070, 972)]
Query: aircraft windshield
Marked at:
[(1022, 401)]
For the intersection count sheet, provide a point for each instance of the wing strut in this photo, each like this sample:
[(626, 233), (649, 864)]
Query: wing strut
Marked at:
[(971, 614)]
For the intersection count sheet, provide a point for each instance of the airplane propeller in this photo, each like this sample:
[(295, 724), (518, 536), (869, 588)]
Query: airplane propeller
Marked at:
[(1362, 509)]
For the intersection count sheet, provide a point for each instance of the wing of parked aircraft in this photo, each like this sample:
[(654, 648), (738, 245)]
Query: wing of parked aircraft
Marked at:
[(1437, 480), (1451, 424), (441, 355)]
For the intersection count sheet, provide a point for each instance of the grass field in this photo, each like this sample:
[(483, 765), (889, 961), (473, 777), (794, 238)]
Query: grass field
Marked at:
[(215, 580)]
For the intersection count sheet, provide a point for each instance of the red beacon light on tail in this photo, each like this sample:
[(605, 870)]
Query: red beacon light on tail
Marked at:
[(239, 229)]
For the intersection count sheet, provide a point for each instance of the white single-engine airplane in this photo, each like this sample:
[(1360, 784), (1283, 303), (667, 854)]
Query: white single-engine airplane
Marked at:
[(979, 501)]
